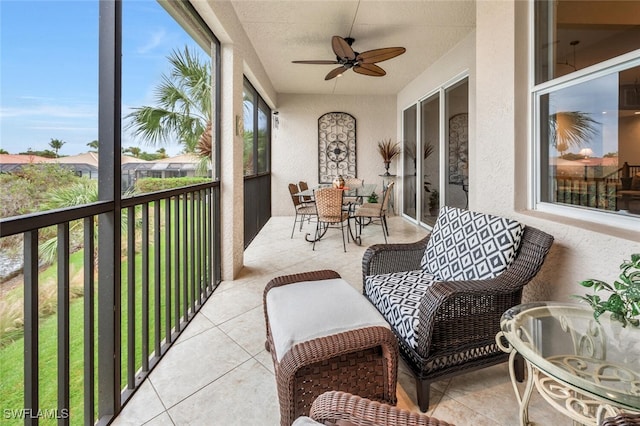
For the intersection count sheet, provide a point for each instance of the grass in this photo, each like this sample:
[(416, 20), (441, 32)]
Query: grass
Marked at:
[(11, 356)]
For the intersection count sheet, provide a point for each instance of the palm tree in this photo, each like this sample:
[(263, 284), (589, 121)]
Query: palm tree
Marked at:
[(93, 145), (56, 144), (133, 150), (183, 110), (569, 129)]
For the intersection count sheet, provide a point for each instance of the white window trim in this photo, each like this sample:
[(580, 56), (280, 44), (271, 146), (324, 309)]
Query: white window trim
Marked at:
[(619, 63)]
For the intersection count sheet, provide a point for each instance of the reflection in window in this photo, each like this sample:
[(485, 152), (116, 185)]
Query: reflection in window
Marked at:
[(257, 131), (409, 167), (574, 34), (589, 132), (430, 142), (587, 129)]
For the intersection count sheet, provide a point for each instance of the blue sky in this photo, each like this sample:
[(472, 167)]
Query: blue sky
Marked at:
[(49, 69)]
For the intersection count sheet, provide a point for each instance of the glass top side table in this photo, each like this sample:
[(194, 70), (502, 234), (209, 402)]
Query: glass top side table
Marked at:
[(584, 368)]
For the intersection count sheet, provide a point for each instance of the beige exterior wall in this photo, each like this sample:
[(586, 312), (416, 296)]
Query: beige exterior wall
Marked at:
[(500, 157), (294, 150), (238, 59), (496, 61)]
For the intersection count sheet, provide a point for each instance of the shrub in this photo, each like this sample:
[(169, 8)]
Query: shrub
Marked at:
[(159, 184)]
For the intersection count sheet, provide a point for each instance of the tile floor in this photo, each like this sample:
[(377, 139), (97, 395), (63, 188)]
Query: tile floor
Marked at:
[(218, 373)]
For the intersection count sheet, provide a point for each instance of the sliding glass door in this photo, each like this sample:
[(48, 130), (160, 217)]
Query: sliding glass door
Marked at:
[(435, 153)]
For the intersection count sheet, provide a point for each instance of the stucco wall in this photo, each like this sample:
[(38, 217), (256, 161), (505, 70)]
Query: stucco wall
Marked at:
[(499, 150), (294, 150), (581, 249)]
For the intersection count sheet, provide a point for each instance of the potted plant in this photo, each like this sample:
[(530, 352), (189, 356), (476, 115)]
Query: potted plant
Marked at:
[(624, 301), (373, 198), (434, 202), (388, 151)]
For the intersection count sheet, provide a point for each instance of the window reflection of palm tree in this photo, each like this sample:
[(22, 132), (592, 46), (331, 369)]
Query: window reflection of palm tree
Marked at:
[(570, 129)]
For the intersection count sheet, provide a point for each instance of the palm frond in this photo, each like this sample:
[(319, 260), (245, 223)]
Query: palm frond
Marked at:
[(571, 129)]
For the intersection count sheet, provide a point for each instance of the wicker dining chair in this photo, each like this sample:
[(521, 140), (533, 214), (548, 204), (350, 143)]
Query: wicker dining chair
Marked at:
[(335, 407), (303, 187), (353, 183), (375, 211), (330, 213), (304, 211)]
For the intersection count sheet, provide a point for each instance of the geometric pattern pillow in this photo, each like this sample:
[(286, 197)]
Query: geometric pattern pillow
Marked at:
[(466, 245), (397, 296)]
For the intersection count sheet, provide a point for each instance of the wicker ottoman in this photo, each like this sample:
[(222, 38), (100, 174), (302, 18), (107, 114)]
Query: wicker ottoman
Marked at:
[(324, 335)]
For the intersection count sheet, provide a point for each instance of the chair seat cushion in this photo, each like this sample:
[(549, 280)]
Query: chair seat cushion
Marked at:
[(307, 310), (368, 212), (397, 296), (466, 245)]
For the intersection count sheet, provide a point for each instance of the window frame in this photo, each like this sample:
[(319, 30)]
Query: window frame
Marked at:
[(536, 91)]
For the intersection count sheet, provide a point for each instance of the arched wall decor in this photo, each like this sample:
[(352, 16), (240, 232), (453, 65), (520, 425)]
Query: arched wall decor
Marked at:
[(458, 149), (336, 146)]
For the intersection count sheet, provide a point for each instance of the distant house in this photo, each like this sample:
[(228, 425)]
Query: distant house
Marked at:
[(133, 168)]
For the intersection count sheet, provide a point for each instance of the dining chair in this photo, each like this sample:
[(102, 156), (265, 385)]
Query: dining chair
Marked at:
[(330, 213), (375, 211), (353, 183), (302, 210), (303, 187)]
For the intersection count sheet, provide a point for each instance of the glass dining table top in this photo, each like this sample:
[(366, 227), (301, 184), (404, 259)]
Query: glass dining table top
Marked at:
[(565, 342), (364, 190)]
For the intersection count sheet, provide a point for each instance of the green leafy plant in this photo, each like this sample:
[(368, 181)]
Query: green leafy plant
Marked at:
[(373, 198), (624, 300)]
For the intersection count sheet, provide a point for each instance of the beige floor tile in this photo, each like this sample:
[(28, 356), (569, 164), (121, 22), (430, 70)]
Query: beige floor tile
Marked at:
[(247, 330), (143, 406), (244, 396), (220, 373), (197, 362)]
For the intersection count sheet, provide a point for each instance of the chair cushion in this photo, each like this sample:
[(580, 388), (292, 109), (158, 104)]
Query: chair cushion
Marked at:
[(466, 245), (307, 310), (397, 296)]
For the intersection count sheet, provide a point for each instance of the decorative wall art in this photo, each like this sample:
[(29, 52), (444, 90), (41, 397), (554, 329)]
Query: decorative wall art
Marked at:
[(336, 146), (458, 149)]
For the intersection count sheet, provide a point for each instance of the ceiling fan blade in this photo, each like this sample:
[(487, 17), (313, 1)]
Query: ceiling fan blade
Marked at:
[(369, 69), (335, 72), (341, 48), (379, 55), (319, 62)]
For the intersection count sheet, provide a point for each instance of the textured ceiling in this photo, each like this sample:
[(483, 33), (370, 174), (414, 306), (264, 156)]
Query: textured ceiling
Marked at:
[(283, 31)]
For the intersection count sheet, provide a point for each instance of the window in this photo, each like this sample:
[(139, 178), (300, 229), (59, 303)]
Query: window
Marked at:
[(257, 132), (587, 104)]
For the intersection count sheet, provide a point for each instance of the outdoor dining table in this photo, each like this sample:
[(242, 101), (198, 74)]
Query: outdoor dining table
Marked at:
[(359, 192)]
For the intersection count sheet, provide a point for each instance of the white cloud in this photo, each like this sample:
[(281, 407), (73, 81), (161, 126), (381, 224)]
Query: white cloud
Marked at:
[(157, 39), (50, 111)]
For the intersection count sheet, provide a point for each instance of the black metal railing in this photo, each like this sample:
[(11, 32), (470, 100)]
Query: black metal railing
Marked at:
[(592, 191), (170, 265)]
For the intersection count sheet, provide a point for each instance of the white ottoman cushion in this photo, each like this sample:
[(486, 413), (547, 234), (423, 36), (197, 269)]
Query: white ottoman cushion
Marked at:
[(307, 310)]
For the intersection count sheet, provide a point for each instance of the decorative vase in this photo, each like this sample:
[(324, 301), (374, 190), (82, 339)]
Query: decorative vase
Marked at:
[(386, 168), (338, 182)]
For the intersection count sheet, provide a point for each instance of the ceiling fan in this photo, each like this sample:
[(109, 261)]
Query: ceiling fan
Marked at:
[(362, 63)]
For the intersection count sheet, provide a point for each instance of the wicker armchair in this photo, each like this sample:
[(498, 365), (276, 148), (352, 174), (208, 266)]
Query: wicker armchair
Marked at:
[(455, 322), (623, 419), (334, 406)]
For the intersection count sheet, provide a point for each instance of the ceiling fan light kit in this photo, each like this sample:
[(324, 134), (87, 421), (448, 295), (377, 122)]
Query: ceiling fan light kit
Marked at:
[(362, 63)]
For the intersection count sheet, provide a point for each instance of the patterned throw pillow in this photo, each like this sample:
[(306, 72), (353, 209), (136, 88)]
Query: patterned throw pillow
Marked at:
[(466, 245)]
